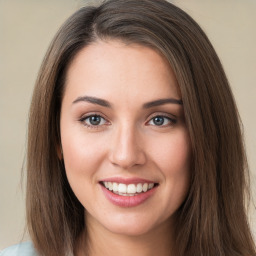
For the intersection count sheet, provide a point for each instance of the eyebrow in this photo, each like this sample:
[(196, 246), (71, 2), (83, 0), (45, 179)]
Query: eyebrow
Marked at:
[(105, 103), (162, 102), (93, 100)]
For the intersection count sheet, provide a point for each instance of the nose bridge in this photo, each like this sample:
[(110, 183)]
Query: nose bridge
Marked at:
[(127, 150)]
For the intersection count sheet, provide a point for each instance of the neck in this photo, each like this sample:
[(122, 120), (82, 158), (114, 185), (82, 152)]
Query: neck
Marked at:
[(100, 241)]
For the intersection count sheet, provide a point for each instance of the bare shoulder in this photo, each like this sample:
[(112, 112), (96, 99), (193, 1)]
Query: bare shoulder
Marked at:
[(22, 249)]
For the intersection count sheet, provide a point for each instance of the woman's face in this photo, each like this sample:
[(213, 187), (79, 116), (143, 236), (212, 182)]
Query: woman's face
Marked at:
[(125, 143)]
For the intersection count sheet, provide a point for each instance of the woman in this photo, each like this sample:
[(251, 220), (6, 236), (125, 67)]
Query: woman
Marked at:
[(131, 144)]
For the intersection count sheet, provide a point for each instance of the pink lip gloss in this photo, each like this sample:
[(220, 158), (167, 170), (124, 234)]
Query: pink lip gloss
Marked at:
[(126, 200)]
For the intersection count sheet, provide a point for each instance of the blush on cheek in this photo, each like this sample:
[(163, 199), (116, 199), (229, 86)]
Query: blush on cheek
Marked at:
[(79, 149)]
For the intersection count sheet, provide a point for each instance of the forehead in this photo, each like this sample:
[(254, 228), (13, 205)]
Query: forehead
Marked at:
[(106, 69)]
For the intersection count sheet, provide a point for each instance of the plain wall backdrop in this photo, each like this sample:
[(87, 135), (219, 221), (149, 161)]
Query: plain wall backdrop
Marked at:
[(26, 29)]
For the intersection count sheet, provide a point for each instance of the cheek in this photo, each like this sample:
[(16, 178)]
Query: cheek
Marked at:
[(173, 153), (80, 152), (172, 157), (177, 166), (82, 161)]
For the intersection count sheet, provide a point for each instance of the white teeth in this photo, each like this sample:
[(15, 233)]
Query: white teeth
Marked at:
[(122, 188), (110, 186), (115, 187), (150, 185), (139, 188), (131, 188), (145, 187), (128, 190)]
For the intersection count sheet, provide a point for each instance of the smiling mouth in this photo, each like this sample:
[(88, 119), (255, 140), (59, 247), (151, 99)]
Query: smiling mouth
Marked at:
[(128, 189)]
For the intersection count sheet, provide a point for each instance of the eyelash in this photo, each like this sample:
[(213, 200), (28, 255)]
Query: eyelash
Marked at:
[(171, 121), (83, 121)]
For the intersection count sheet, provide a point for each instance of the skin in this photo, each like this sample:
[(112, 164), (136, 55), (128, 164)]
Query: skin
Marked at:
[(126, 143)]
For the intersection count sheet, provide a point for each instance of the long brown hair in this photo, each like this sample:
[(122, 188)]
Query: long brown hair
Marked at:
[(212, 220)]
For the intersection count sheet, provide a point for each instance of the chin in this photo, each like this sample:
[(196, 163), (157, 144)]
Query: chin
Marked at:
[(129, 230), (130, 225)]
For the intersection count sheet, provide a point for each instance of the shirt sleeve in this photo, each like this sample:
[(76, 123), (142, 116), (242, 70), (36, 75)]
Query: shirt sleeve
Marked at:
[(22, 249)]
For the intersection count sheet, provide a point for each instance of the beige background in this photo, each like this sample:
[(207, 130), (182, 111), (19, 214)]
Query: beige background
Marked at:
[(26, 28)]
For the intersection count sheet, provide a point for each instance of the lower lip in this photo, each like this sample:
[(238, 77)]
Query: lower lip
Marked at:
[(127, 201)]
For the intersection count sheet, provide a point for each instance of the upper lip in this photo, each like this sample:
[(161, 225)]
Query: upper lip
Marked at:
[(122, 180)]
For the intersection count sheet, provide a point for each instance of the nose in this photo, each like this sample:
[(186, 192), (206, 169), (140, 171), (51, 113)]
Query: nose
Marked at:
[(126, 148)]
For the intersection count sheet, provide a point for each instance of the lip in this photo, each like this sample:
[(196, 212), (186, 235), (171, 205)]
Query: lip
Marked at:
[(127, 201)]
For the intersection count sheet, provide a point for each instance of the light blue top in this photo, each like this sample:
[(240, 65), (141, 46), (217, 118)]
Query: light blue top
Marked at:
[(22, 249)]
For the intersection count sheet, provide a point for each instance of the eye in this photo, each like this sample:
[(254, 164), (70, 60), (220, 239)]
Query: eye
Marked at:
[(161, 120), (93, 120)]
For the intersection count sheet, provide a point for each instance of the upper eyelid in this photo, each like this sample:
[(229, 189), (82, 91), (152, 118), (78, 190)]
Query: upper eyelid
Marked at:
[(171, 116), (84, 116)]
